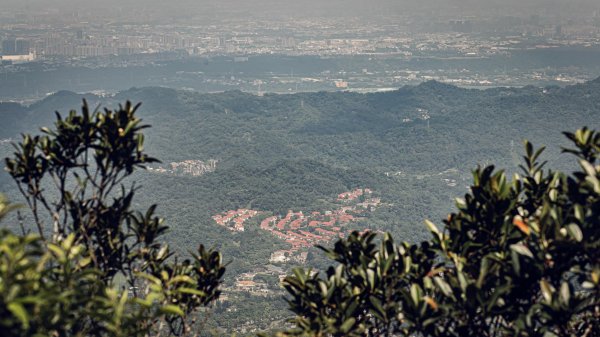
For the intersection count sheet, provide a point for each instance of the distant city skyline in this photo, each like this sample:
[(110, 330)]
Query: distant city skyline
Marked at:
[(390, 43)]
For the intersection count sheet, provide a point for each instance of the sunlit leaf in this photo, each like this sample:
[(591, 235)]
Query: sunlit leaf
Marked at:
[(172, 309), (518, 221), (522, 249), (19, 311)]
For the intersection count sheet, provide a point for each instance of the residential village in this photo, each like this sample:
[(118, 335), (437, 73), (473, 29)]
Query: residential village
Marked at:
[(256, 282), (234, 220), (193, 168), (301, 231)]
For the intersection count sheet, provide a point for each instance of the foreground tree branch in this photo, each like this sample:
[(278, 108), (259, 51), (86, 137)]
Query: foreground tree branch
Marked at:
[(72, 279)]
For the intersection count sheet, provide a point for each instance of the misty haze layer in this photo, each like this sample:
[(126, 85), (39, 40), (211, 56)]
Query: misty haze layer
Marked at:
[(242, 8)]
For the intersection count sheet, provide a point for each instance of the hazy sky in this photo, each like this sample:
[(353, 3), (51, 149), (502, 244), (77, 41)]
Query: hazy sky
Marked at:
[(321, 7)]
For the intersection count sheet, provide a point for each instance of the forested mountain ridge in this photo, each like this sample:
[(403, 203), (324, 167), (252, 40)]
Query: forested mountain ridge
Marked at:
[(335, 139)]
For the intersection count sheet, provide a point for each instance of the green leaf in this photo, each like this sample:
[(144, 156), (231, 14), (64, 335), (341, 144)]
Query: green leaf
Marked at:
[(30, 300), (180, 279), (347, 325), (58, 252), (547, 290), (579, 212), (19, 312), (143, 302), (521, 249), (300, 275), (575, 232), (379, 311), (443, 286), (496, 298), (82, 263), (67, 243), (121, 305), (432, 227), (192, 291), (591, 174), (483, 270), (151, 278), (587, 167), (172, 309), (415, 293), (371, 278), (323, 288), (565, 293), (462, 280)]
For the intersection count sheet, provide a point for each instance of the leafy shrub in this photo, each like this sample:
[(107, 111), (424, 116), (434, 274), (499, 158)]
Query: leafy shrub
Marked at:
[(95, 266), (519, 257)]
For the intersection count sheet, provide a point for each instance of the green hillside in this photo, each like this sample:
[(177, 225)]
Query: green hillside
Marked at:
[(414, 147)]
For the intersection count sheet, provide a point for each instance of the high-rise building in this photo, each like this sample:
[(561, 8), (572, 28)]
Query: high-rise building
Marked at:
[(23, 47), (9, 46), (12, 46)]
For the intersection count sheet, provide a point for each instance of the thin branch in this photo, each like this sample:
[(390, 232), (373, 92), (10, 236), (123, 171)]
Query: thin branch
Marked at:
[(33, 208)]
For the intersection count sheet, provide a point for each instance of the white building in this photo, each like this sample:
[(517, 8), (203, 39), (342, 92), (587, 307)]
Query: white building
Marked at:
[(18, 58)]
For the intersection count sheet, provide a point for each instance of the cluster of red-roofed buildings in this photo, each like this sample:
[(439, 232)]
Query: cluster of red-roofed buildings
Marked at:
[(234, 220), (353, 195), (305, 230)]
